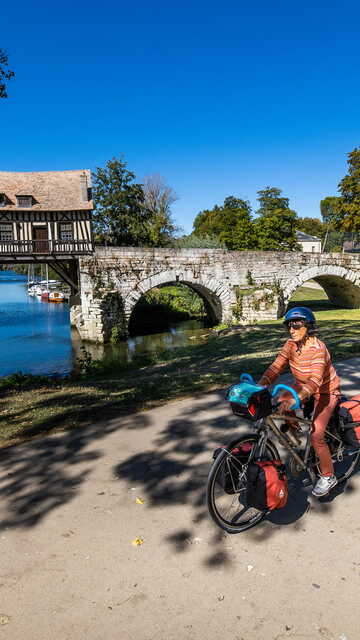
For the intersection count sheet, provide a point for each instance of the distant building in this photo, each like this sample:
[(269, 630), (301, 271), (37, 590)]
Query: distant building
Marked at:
[(309, 244), (45, 212)]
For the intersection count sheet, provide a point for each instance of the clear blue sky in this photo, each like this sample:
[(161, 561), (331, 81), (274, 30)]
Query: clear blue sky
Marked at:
[(220, 98)]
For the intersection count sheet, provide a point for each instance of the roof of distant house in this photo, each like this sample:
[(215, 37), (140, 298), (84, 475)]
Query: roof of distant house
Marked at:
[(50, 190), (304, 237)]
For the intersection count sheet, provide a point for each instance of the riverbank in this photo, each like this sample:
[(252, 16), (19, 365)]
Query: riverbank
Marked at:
[(31, 406)]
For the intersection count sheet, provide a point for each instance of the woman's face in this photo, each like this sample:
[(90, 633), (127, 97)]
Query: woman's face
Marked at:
[(297, 329)]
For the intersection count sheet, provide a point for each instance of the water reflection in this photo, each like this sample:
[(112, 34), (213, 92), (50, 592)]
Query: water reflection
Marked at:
[(179, 335), (35, 336)]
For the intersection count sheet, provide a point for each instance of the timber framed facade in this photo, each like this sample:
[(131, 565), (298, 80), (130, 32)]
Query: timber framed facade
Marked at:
[(45, 215)]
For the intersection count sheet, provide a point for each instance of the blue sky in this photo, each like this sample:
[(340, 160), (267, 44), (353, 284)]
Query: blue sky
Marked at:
[(219, 98)]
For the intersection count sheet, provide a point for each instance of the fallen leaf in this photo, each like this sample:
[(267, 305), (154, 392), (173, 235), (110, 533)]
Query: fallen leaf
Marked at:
[(139, 501), (4, 619), (250, 567), (137, 542)]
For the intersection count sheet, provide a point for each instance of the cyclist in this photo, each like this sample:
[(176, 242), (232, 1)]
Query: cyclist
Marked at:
[(315, 376)]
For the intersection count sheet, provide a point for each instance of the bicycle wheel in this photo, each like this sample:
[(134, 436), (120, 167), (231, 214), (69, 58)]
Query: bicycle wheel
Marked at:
[(226, 486)]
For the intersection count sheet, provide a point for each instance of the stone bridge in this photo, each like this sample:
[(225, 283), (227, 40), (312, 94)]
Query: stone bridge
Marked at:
[(236, 286)]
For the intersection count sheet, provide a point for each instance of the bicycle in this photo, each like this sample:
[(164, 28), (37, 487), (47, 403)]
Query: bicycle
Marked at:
[(227, 507)]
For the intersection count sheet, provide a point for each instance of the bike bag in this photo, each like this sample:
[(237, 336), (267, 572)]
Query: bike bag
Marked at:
[(228, 478), (349, 414), (249, 401), (267, 487)]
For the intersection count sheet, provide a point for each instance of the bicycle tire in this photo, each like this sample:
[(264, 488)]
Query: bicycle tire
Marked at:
[(215, 494)]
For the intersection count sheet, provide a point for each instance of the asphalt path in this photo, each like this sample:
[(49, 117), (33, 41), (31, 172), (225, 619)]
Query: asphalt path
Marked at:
[(73, 505)]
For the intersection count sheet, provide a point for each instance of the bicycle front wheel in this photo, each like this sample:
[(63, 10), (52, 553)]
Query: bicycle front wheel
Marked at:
[(226, 486)]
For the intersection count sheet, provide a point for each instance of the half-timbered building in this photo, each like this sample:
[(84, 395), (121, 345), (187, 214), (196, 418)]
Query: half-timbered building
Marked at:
[(45, 215)]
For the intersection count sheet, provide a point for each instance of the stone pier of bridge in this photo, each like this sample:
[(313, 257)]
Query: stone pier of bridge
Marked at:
[(236, 286)]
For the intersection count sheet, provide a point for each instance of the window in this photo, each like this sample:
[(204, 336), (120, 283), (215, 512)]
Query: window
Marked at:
[(2, 199), (66, 232), (6, 233), (24, 202)]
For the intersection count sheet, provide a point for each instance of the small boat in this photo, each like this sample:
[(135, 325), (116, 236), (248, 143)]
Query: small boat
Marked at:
[(45, 295), (56, 296)]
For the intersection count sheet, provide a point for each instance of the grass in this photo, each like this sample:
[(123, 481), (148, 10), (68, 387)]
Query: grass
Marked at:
[(33, 406)]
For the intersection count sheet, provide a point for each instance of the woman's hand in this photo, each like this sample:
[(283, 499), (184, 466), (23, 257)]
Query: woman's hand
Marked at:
[(285, 405)]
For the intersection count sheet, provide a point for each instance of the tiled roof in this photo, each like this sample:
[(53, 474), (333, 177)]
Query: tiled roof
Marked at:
[(304, 237), (51, 190)]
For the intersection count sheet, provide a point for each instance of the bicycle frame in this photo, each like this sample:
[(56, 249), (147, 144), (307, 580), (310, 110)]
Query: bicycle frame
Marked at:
[(270, 425)]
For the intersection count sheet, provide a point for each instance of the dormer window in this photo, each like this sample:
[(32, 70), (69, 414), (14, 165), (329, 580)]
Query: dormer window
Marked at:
[(24, 202), (3, 199)]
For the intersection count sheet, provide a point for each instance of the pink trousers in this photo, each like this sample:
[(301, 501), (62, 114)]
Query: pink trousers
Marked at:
[(323, 409)]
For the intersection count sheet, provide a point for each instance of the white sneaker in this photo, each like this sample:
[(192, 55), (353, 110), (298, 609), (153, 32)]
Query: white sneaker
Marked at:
[(324, 485)]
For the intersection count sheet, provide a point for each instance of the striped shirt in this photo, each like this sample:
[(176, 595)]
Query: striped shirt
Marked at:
[(311, 368)]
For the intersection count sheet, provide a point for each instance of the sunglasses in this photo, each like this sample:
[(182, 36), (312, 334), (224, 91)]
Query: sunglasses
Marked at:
[(295, 324)]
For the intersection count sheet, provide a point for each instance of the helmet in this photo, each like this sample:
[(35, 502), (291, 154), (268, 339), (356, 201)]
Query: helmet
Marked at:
[(300, 313)]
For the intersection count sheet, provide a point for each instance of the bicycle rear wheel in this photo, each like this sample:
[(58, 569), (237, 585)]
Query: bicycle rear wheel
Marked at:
[(226, 486)]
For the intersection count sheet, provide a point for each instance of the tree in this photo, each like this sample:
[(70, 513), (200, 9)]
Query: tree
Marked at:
[(312, 226), (270, 200), (193, 241), (276, 224), (158, 198), (5, 73), (347, 213), (231, 223), (120, 216), (329, 208)]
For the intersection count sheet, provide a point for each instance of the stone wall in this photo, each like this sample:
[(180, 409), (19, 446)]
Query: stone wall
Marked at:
[(237, 286)]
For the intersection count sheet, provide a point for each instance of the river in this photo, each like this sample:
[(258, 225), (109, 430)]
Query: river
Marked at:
[(35, 336)]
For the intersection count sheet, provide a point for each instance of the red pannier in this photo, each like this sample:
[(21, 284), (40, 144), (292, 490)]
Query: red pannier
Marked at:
[(349, 414), (267, 487)]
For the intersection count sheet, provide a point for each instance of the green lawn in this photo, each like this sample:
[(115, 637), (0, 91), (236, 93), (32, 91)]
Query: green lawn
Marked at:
[(30, 407)]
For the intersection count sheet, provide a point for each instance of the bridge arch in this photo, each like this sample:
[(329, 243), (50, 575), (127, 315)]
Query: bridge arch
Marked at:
[(341, 285), (217, 297)]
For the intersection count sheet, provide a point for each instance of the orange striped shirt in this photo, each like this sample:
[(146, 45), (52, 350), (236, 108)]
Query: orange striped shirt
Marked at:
[(311, 367)]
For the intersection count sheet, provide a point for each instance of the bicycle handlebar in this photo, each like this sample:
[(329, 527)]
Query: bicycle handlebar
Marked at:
[(278, 388), (246, 377)]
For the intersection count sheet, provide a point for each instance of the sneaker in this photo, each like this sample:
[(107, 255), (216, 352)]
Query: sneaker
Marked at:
[(324, 485)]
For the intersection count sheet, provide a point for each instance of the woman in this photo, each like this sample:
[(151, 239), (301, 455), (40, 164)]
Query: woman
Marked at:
[(315, 376)]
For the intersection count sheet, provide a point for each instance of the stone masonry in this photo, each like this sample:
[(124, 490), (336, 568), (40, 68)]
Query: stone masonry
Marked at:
[(236, 286)]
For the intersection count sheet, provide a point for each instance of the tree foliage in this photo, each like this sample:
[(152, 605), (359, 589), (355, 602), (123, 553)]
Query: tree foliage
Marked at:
[(192, 241), (347, 210), (128, 213), (276, 224), (231, 223), (158, 198), (312, 226), (120, 216), (5, 73)]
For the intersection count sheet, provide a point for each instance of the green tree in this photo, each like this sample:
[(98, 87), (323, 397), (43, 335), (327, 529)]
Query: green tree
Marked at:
[(158, 198), (329, 208), (231, 223), (347, 214), (192, 241), (270, 200), (5, 73), (311, 226), (276, 224), (120, 216)]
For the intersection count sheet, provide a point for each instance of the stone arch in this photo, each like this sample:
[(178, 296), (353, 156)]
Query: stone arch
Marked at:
[(341, 285), (217, 297)]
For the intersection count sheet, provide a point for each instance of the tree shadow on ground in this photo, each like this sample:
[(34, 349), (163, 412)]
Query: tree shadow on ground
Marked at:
[(45, 474), (175, 471)]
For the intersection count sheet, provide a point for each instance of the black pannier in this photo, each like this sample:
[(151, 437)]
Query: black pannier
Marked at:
[(250, 401)]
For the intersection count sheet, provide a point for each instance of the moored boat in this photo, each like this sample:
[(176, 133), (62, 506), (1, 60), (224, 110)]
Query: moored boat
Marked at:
[(56, 296)]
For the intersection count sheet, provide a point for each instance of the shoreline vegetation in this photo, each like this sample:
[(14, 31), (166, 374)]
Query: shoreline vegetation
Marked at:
[(31, 406)]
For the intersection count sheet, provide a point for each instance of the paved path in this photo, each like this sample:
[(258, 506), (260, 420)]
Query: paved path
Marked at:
[(69, 515)]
